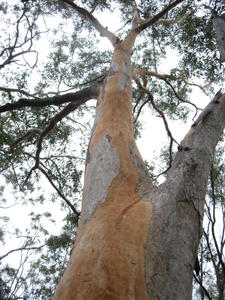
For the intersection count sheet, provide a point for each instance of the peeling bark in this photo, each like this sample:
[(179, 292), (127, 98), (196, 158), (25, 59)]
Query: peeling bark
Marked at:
[(103, 167)]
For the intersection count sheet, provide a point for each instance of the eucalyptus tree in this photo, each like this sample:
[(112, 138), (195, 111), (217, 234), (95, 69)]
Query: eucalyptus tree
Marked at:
[(136, 239)]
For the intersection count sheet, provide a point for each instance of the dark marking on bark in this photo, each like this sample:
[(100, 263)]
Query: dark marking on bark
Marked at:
[(118, 41), (181, 148), (121, 134), (109, 138), (111, 72)]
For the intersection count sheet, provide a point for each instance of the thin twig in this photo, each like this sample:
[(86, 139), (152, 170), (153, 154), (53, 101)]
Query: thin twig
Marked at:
[(202, 287), (57, 118), (21, 249), (27, 135), (59, 192)]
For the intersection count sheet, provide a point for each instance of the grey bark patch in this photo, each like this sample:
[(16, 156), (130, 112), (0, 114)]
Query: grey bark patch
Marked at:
[(97, 117), (113, 68), (219, 27), (144, 184), (124, 81), (103, 167)]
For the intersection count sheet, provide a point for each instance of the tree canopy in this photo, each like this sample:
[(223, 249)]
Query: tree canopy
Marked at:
[(53, 57)]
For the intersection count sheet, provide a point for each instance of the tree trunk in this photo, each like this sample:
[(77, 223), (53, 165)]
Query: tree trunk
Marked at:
[(107, 261), (136, 241)]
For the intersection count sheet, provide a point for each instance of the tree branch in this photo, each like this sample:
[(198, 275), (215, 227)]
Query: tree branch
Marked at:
[(158, 16), (21, 249), (219, 254), (181, 99), (139, 111), (27, 135), (150, 98), (145, 72), (57, 118), (14, 90), (59, 192), (168, 21), (165, 77), (156, 108), (80, 97), (86, 15), (202, 287)]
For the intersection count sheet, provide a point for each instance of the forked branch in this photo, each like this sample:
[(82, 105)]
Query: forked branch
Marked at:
[(158, 16), (151, 99), (156, 108)]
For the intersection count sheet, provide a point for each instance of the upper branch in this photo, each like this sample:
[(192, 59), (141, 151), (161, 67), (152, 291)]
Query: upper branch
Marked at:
[(86, 15), (158, 16), (77, 97), (22, 42)]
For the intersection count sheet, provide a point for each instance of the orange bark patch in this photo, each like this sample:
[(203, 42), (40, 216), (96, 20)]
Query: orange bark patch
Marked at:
[(108, 259)]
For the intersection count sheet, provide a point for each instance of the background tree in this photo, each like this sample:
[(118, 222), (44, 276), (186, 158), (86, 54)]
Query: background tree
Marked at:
[(35, 134)]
